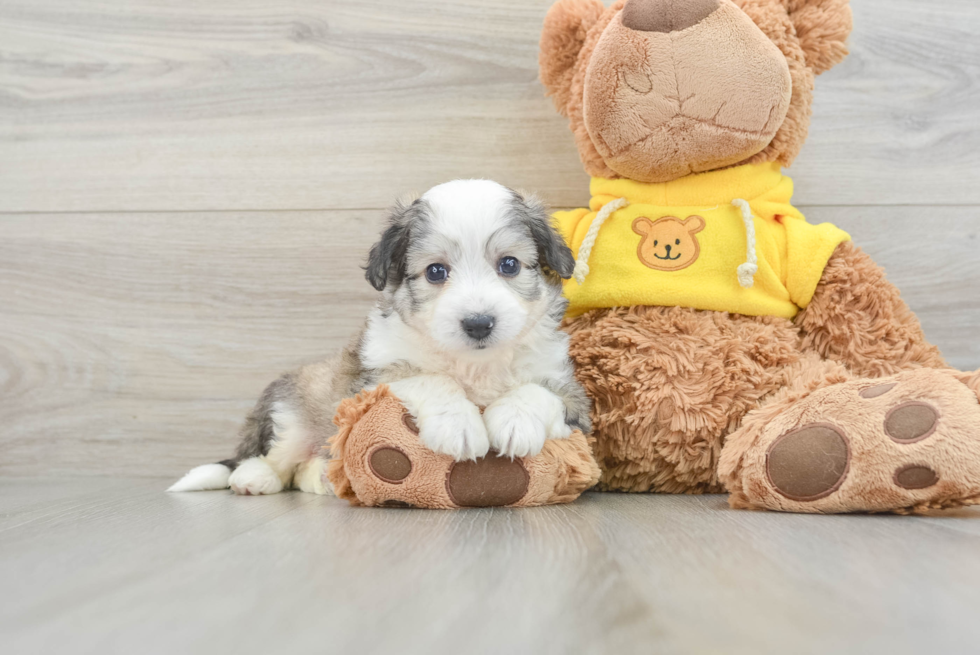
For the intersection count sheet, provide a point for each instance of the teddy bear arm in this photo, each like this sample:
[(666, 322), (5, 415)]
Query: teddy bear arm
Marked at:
[(858, 318), (378, 460)]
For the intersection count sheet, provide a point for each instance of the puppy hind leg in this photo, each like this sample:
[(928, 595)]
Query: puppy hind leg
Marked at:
[(311, 477), (255, 477), (287, 448)]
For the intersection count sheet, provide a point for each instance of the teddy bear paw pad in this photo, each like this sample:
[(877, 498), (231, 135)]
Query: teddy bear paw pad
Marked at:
[(390, 464), (878, 390), (908, 443), (914, 476), (809, 463), (491, 481), (378, 460), (911, 422)]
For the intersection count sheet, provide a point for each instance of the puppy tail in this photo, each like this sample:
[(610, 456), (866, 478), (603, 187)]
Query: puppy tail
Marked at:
[(205, 478), (257, 435)]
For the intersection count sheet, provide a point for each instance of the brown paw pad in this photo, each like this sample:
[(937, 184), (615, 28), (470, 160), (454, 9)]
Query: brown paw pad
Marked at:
[(809, 463), (915, 476), (410, 423), (911, 422), (879, 390), (490, 481), (390, 464)]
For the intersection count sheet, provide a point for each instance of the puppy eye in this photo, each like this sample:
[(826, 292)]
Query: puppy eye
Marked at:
[(436, 273), (509, 266)]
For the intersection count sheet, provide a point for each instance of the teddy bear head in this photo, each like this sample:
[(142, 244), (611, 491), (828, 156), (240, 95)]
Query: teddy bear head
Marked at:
[(658, 89)]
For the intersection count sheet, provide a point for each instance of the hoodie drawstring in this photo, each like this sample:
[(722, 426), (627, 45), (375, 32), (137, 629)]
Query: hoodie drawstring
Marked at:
[(585, 250), (747, 271)]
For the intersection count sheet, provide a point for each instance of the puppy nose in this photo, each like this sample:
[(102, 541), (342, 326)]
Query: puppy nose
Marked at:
[(478, 327), (666, 15)]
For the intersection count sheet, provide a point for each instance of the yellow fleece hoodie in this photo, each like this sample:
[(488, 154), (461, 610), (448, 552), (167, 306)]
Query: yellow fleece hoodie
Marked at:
[(726, 241)]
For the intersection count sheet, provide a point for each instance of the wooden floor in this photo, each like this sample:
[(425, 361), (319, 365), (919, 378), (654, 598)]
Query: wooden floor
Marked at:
[(114, 565)]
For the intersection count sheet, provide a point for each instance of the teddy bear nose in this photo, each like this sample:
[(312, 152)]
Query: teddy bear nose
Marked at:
[(666, 15)]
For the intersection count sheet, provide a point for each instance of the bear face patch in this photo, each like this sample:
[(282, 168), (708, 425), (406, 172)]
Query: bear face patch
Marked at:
[(668, 244)]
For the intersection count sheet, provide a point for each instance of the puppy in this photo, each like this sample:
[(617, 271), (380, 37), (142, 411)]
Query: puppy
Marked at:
[(468, 317)]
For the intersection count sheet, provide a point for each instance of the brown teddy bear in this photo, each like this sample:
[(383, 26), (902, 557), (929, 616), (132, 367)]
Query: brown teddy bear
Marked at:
[(727, 343)]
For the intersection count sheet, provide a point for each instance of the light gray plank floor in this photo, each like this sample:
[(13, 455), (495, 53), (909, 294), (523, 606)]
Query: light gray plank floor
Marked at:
[(114, 565)]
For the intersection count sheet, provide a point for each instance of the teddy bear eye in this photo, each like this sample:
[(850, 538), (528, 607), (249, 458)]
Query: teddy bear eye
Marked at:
[(655, 242), (678, 242)]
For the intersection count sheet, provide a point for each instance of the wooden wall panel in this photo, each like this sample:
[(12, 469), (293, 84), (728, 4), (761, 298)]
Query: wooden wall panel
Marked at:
[(140, 105), (134, 344)]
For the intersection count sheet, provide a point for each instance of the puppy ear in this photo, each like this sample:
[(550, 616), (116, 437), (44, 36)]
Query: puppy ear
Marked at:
[(565, 28), (386, 261), (822, 27), (552, 250)]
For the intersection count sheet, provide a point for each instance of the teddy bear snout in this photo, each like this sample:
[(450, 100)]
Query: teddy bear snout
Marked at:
[(666, 15), (658, 106)]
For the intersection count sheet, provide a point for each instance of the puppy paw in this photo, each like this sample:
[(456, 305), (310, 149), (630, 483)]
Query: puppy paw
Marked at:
[(556, 428), (456, 430), (520, 422), (254, 477), (514, 431), (311, 477)]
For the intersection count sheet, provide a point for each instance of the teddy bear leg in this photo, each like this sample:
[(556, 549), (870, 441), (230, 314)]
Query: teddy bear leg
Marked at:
[(858, 318), (971, 380), (906, 443), (668, 386)]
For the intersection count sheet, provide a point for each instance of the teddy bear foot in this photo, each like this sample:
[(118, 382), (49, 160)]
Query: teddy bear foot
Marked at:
[(904, 444), (379, 461)]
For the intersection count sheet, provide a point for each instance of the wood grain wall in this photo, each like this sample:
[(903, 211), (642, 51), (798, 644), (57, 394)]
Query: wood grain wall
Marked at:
[(187, 190)]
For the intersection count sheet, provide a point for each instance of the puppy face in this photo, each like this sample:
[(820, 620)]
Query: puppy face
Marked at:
[(471, 264)]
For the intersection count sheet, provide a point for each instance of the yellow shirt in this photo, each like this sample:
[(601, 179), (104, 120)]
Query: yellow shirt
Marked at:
[(681, 244)]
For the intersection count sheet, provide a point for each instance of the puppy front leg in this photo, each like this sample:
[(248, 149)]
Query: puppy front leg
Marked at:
[(519, 423), (448, 422)]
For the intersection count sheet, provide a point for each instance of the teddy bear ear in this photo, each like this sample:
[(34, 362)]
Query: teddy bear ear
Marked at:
[(643, 226), (694, 224), (565, 28), (822, 27)]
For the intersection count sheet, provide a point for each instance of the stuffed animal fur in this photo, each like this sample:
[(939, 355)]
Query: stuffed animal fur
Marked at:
[(378, 460), (729, 345)]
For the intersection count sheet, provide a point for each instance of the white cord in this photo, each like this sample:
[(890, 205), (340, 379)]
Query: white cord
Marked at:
[(585, 250), (747, 271)]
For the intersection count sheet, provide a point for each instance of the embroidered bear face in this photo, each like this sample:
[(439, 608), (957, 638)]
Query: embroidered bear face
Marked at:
[(668, 244)]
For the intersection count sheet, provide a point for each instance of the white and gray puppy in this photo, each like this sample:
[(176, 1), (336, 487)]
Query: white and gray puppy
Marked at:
[(468, 317)]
